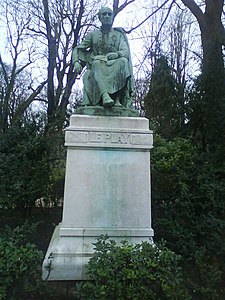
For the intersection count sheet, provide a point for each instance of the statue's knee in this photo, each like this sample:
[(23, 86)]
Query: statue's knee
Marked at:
[(86, 74), (123, 60), (95, 64)]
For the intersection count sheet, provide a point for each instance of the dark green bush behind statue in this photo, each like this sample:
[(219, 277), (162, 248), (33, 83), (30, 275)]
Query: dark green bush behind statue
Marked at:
[(188, 209)]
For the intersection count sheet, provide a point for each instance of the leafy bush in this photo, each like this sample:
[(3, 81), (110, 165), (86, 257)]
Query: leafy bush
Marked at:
[(188, 212), (126, 271), (20, 266), (19, 263), (24, 166)]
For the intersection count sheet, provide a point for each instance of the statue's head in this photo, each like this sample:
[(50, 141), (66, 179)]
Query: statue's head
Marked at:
[(105, 15)]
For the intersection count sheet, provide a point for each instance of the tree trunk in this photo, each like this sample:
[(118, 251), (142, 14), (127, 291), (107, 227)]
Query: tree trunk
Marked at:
[(212, 82), (212, 34), (51, 63)]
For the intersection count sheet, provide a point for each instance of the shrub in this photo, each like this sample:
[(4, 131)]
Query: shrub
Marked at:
[(24, 167), (126, 271), (20, 263), (188, 212), (20, 266)]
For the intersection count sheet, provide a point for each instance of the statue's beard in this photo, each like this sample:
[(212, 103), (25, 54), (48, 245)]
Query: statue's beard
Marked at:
[(106, 27)]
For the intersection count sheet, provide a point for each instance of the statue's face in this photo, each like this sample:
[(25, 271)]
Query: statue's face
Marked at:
[(106, 17)]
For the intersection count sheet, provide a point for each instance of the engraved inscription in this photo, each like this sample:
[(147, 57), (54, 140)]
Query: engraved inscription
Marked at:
[(109, 137)]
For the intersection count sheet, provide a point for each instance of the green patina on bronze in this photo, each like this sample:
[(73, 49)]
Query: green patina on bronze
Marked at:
[(108, 79), (111, 111)]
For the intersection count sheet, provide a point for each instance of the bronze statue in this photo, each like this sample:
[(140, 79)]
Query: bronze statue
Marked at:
[(108, 80)]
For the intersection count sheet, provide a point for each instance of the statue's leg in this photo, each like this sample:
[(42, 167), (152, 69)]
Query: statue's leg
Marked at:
[(98, 69), (117, 99), (107, 100), (85, 100), (126, 99)]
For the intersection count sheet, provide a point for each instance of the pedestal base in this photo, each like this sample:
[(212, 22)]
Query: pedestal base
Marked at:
[(68, 255), (107, 191)]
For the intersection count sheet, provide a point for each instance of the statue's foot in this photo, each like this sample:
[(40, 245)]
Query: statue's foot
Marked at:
[(107, 100), (117, 102), (128, 102)]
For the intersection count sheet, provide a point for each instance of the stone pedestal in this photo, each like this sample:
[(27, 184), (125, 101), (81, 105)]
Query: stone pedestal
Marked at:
[(107, 191)]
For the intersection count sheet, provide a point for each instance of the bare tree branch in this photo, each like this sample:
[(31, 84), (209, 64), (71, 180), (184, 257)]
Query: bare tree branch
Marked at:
[(23, 67), (24, 104), (117, 9), (37, 31), (195, 9), (164, 21), (161, 6)]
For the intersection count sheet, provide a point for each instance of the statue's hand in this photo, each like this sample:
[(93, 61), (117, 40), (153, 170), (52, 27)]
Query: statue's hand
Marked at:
[(77, 67), (112, 55)]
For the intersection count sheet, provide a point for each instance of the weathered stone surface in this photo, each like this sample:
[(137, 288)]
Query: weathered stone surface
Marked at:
[(107, 190)]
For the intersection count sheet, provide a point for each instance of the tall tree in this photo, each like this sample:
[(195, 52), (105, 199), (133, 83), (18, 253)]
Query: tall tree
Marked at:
[(58, 26), (15, 97), (208, 109), (162, 102), (212, 33), (210, 104), (168, 85)]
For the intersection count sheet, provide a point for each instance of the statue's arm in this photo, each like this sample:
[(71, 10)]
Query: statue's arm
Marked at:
[(79, 53), (75, 56), (123, 50)]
